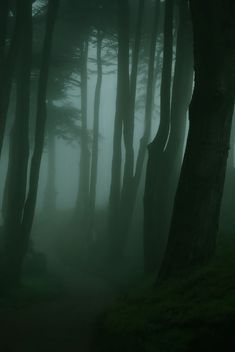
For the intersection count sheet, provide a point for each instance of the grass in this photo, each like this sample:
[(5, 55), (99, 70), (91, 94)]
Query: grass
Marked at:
[(195, 313)]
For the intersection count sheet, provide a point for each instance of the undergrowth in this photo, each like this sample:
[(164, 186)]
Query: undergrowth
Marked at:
[(194, 313)]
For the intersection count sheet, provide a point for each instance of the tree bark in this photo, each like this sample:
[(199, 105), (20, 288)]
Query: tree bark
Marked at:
[(128, 204), (84, 168), (18, 164), (130, 117), (156, 148), (95, 145), (122, 112), (195, 219), (168, 173), (41, 117), (4, 12), (8, 63), (50, 190), (227, 221)]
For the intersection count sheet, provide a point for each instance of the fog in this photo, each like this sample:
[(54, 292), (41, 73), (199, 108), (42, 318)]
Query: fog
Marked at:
[(116, 168)]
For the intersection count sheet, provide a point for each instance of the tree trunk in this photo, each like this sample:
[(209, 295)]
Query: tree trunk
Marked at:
[(95, 145), (84, 172), (4, 12), (8, 63), (128, 205), (17, 173), (195, 219), (181, 95), (130, 117), (227, 220), (41, 117), (50, 190), (156, 148), (168, 173), (121, 117)]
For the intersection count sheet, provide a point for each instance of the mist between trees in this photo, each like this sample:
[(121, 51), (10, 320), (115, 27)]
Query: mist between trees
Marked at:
[(94, 107)]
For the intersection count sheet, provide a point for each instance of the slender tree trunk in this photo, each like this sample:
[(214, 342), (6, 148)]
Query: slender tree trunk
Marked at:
[(156, 148), (149, 98), (122, 111), (8, 63), (18, 164), (4, 12), (129, 200), (41, 117), (84, 172), (130, 117), (195, 219), (50, 191), (95, 145)]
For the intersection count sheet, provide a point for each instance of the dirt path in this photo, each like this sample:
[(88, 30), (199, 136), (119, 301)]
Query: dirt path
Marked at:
[(63, 325)]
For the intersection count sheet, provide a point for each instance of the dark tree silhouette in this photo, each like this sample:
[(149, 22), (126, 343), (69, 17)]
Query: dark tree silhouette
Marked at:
[(156, 148), (121, 117), (195, 219), (41, 117), (20, 207), (95, 144), (19, 152), (8, 60)]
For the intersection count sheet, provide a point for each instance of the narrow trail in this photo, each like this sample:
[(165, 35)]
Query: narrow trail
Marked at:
[(63, 325)]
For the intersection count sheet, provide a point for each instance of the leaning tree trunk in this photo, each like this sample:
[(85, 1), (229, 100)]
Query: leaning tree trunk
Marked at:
[(41, 117), (156, 148), (94, 163), (195, 219), (18, 164)]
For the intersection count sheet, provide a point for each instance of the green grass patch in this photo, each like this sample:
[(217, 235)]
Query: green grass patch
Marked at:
[(184, 314)]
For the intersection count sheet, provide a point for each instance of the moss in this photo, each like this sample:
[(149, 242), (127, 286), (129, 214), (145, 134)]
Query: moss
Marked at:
[(177, 314)]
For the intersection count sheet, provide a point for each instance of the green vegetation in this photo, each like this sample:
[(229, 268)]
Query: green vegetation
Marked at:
[(194, 313)]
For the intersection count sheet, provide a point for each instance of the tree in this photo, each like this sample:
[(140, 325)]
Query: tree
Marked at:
[(156, 148), (21, 207), (8, 60), (19, 151), (130, 189), (84, 165), (94, 164), (171, 159), (130, 117), (121, 118), (30, 204), (195, 219)]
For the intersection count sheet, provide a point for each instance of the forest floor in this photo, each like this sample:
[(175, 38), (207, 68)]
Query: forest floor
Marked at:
[(74, 310), (55, 311), (51, 316), (188, 314)]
